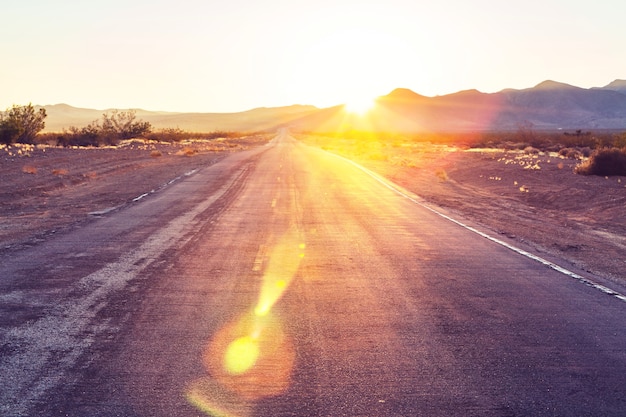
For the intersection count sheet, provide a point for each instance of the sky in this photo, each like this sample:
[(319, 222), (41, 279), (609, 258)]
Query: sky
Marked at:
[(235, 55)]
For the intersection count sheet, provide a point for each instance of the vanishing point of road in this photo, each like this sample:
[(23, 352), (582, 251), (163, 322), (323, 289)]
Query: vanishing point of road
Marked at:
[(286, 281)]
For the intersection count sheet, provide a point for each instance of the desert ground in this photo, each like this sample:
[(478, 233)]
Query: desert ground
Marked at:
[(47, 190), (533, 198), (529, 197)]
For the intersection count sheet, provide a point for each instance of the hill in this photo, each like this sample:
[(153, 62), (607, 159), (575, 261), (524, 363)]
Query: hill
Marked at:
[(548, 105), (62, 116), (617, 85)]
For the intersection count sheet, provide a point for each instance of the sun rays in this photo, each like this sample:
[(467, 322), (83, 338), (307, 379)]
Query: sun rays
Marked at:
[(359, 105)]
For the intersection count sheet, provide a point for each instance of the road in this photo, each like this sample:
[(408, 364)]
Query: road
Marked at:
[(286, 281)]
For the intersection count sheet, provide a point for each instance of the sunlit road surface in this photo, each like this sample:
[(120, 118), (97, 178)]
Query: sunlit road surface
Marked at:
[(285, 281)]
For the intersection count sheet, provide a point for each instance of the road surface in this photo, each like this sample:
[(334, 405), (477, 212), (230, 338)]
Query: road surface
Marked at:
[(286, 281)]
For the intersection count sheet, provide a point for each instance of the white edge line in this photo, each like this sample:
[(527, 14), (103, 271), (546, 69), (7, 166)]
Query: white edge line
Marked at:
[(144, 195), (186, 174), (522, 252), (140, 197)]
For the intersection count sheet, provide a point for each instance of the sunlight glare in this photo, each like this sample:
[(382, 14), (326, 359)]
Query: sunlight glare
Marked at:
[(359, 105), (252, 357), (241, 355)]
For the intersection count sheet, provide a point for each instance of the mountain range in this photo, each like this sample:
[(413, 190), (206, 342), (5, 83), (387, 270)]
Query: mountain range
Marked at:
[(550, 105), (63, 116)]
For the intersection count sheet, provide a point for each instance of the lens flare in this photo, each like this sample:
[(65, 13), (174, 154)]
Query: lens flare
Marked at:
[(283, 264), (252, 357), (241, 355)]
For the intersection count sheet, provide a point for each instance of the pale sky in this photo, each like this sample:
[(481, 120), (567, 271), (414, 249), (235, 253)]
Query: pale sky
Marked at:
[(235, 55)]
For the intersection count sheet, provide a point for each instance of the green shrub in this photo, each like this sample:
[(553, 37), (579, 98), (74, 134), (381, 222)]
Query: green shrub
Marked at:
[(107, 131), (607, 161), (21, 124), (10, 131), (123, 125)]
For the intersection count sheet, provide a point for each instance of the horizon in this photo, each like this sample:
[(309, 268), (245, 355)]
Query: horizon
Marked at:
[(206, 57), (309, 105)]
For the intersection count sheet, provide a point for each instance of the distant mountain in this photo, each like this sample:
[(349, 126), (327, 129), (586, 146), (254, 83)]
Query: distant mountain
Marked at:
[(548, 105), (62, 116), (556, 105), (617, 85)]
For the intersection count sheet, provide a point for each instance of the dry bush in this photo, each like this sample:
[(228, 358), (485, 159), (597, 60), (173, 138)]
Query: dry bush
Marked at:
[(186, 151), (442, 175), (60, 172), (531, 150), (403, 161), (29, 169), (156, 153), (175, 134), (551, 141), (571, 153), (608, 161), (90, 175)]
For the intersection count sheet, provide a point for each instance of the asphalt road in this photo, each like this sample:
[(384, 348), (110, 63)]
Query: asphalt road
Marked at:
[(285, 281)]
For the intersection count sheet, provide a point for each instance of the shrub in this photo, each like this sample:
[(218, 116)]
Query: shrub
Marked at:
[(607, 161), (620, 140), (123, 125), (531, 150), (60, 172), (187, 151), (112, 128), (89, 135), (169, 134), (21, 124), (442, 175), (586, 151), (571, 153), (29, 169), (9, 131), (175, 134)]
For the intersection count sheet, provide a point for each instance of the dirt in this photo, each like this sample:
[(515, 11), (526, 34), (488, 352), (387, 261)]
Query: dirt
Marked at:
[(47, 190), (533, 198)]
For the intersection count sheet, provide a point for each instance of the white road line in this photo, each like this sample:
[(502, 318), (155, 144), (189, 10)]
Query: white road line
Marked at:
[(68, 328), (257, 265), (186, 174), (141, 196), (522, 252)]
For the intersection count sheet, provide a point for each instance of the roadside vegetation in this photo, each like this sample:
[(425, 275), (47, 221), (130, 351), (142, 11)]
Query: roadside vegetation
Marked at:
[(109, 130), (600, 153), (23, 125), (606, 161)]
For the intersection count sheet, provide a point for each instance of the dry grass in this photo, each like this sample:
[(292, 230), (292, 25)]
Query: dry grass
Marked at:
[(442, 175), (609, 161), (60, 172), (90, 175), (29, 169), (186, 151)]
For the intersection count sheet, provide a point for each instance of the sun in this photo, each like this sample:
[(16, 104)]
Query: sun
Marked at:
[(359, 105)]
